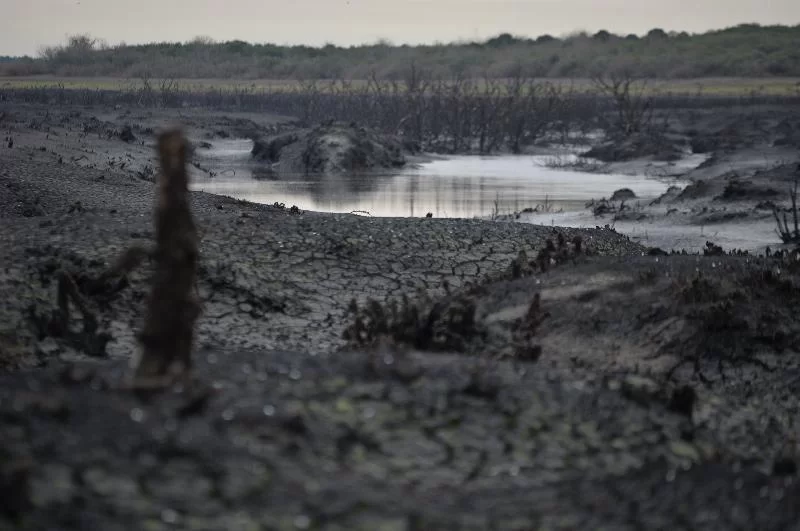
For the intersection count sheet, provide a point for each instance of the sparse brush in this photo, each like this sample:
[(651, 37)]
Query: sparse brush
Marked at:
[(525, 348), (445, 325), (559, 252), (633, 104), (730, 319), (449, 324), (789, 235), (712, 249)]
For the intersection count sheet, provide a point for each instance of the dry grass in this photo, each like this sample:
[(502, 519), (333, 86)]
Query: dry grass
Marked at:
[(700, 86)]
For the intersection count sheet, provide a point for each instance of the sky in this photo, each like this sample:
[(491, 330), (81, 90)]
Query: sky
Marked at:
[(28, 25)]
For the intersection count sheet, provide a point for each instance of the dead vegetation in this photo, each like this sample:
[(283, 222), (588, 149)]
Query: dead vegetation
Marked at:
[(445, 325), (634, 110), (172, 307), (734, 318), (90, 339), (89, 293), (450, 324), (456, 322), (789, 234)]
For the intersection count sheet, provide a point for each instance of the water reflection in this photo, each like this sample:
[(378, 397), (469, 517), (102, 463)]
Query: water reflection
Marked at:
[(461, 186)]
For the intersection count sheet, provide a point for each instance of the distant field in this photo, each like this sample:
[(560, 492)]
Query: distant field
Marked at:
[(112, 83), (707, 86)]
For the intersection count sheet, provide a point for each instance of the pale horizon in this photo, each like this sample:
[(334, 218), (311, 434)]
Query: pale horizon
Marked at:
[(27, 27)]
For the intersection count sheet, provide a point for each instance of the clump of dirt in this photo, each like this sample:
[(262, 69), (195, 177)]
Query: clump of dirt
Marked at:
[(623, 194), (653, 145), (332, 148)]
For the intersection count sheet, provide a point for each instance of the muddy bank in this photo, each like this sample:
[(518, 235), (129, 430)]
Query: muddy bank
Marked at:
[(745, 171), (506, 376), (330, 148), (653, 145)]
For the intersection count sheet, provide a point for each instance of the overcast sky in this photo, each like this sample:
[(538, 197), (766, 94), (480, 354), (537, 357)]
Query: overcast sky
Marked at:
[(26, 25)]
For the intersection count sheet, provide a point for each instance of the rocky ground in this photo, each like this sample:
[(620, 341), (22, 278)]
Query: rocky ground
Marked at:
[(506, 376)]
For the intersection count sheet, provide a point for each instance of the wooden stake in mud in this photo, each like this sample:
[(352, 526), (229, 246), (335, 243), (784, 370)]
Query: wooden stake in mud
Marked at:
[(173, 308)]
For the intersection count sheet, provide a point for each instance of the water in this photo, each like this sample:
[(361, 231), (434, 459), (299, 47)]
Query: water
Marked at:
[(458, 186)]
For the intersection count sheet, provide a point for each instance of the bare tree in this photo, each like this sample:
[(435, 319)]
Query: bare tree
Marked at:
[(789, 234), (634, 109)]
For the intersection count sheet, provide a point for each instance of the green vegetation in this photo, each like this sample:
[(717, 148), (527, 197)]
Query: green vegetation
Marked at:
[(747, 50)]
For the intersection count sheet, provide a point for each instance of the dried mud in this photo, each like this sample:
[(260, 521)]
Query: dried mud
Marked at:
[(533, 377)]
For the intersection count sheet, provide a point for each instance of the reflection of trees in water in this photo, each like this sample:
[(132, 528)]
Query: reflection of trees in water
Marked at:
[(344, 189), (401, 194), (324, 188), (413, 190), (395, 195)]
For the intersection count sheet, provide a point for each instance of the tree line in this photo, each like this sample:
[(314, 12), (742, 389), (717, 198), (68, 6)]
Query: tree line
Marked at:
[(747, 50)]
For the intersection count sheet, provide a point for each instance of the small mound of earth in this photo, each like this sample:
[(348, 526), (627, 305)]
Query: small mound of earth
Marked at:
[(333, 148), (733, 136), (641, 145), (623, 194), (672, 193), (695, 190)]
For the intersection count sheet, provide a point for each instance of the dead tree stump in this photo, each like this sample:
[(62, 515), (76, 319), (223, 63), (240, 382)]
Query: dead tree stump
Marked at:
[(172, 307)]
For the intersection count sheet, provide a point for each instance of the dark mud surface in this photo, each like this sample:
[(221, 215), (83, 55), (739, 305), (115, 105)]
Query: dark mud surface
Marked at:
[(655, 392)]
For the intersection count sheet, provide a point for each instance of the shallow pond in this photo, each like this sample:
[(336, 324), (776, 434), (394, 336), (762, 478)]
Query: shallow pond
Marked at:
[(458, 186)]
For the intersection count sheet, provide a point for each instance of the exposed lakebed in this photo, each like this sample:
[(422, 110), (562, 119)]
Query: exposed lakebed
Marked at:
[(456, 186)]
